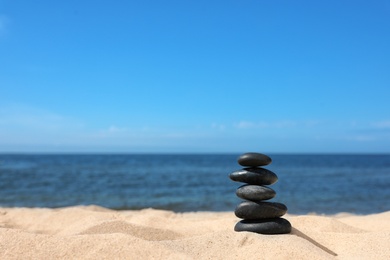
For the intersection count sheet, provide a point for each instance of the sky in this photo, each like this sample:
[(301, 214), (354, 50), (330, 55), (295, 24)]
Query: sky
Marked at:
[(195, 76)]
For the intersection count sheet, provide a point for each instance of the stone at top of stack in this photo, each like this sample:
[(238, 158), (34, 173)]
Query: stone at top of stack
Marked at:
[(258, 216), (254, 160)]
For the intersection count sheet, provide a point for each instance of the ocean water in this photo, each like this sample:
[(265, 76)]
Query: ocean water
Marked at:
[(323, 184)]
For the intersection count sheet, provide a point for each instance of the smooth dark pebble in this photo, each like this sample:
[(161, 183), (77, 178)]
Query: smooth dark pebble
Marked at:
[(265, 226), (255, 192), (256, 176), (259, 210), (254, 159)]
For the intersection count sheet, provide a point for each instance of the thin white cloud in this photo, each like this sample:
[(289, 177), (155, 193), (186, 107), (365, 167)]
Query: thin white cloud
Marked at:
[(284, 124), (116, 129), (264, 125), (361, 138), (312, 123), (3, 22), (385, 124), (249, 125), (21, 116), (112, 131), (218, 126), (142, 138), (244, 125), (20, 124)]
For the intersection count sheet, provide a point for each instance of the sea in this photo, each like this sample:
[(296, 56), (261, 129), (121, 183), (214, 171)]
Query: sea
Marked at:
[(308, 183)]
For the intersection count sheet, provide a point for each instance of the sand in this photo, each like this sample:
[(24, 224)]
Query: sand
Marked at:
[(92, 232)]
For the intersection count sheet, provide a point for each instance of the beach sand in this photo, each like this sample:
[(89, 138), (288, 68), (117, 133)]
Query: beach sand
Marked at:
[(92, 232)]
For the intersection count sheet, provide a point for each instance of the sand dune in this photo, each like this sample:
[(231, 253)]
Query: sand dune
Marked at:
[(97, 233)]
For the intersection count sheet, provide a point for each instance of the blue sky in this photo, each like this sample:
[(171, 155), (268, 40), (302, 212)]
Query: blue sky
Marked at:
[(195, 76)]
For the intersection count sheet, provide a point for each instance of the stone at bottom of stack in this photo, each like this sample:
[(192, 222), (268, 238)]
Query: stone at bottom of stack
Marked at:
[(267, 226)]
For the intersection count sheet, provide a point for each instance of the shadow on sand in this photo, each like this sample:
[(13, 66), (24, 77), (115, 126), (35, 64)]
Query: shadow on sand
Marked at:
[(298, 233)]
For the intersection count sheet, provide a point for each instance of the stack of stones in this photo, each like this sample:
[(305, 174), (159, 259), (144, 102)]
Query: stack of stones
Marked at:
[(258, 216)]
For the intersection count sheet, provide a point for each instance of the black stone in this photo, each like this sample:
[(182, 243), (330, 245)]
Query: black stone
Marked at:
[(256, 176), (254, 159), (259, 210), (265, 226), (255, 192)]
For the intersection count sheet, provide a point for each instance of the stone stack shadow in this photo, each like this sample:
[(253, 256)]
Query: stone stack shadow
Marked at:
[(258, 216)]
